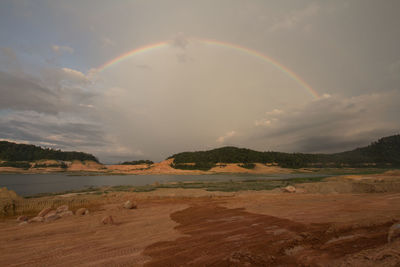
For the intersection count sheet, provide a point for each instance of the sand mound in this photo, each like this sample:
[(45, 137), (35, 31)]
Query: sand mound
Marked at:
[(47, 162), (119, 167), (6, 194), (86, 165), (258, 169), (163, 167)]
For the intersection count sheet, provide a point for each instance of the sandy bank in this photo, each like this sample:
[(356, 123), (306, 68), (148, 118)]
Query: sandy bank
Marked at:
[(163, 167)]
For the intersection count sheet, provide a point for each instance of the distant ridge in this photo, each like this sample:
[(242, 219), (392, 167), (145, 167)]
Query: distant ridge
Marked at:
[(383, 153), (22, 152)]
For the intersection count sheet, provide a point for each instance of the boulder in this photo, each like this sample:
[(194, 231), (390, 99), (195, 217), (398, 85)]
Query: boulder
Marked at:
[(65, 213), (82, 211), (22, 218), (50, 213), (36, 219), (52, 217), (62, 208), (107, 220), (23, 223), (394, 232), (43, 212), (130, 205), (289, 189)]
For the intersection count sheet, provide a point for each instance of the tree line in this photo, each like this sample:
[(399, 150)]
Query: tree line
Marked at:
[(138, 162), (12, 152), (383, 153)]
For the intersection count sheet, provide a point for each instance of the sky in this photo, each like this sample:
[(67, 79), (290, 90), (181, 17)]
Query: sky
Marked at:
[(291, 76)]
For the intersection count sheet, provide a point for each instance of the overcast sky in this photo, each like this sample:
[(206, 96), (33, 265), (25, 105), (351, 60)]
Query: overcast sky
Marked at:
[(190, 95)]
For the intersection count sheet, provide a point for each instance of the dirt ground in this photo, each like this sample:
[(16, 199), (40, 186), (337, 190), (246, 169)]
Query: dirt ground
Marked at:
[(179, 227)]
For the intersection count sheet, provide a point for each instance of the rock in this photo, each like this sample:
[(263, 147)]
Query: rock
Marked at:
[(22, 218), (65, 213), (36, 219), (82, 211), (23, 223), (107, 220), (394, 232), (50, 213), (289, 189), (130, 205), (62, 208), (52, 217), (43, 212)]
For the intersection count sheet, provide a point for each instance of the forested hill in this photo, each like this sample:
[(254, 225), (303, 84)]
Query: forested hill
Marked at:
[(384, 152), (21, 152)]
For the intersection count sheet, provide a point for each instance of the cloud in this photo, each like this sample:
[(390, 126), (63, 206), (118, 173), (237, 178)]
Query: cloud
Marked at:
[(180, 41), (60, 49), (46, 128), (9, 53), (262, 122), (57, 90), (107, 42), (74, 75), (9, 58), (228, 135), (271, 117), (25, 93), (295, 18), (394, 69), (143, 66), (274, 112), (332, 124)]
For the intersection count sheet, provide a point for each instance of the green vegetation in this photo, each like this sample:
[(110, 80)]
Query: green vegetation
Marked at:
[(248, 165), (61, 165), (13, 152), (201, 165), (137, 162), (381, 154), (16, 164)]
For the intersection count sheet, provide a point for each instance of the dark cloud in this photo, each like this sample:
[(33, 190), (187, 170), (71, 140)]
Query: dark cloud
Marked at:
[(143, 66), (60, 90), (332, 124), (339, 143), (46, 130), (180, 41), (25, 94)]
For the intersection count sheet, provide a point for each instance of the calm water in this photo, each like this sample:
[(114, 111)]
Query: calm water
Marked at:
[(31, 184)]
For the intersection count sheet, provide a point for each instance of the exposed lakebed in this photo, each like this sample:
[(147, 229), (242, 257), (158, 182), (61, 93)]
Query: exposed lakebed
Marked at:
[(32, 184)]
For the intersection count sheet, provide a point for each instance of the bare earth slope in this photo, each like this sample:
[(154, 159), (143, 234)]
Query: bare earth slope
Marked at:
[(163, 167)]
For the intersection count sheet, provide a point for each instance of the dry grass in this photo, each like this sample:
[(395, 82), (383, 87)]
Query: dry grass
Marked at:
[(31, 207)]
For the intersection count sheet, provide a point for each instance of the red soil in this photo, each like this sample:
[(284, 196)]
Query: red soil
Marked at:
[(217, 236)]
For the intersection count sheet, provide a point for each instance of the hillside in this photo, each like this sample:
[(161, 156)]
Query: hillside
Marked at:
[(384, 152), (12, 153)]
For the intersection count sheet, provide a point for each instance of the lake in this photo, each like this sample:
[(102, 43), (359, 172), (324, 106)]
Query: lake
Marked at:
[(31, 184)]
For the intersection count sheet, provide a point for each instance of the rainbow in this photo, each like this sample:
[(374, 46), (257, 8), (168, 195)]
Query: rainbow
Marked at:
[(131, 53), (239, 48)]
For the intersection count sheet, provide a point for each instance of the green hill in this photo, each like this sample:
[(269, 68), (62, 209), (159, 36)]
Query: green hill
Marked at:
[(12, 152), (384, 152)]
